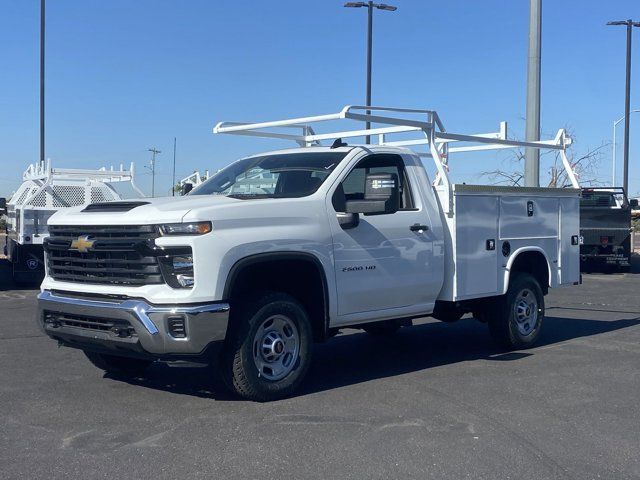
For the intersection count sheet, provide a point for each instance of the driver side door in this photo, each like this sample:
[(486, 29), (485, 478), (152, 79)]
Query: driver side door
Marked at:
[(382, 264)]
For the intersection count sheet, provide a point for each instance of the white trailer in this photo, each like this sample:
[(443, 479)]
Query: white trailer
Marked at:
[(46, 190)]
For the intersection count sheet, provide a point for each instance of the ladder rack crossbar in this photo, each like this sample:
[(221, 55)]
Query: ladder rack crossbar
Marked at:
[(426, 122)]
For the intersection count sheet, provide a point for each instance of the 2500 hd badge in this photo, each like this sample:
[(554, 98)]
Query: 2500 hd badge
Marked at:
[(358, 268)]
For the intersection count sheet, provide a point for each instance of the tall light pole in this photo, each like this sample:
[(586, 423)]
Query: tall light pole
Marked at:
[(42, 18), (627, 98), (370, 6), (154, 151), (173, 177), (532, 155), (613, 167)]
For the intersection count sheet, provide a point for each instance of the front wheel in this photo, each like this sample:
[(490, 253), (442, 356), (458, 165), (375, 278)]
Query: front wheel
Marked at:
[(515, 320), (268, 348)]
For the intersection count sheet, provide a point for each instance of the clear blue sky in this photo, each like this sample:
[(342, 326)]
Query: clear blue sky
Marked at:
[(123, 76)]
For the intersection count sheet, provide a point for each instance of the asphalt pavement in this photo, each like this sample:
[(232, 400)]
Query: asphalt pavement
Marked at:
[(436, 401)]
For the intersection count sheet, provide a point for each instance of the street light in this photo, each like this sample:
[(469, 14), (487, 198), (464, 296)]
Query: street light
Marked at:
[(629, 24), (613, 170), (370, 6), (42, 33), (154, 151)]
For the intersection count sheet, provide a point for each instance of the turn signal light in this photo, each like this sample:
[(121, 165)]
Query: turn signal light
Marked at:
[(195, 228)]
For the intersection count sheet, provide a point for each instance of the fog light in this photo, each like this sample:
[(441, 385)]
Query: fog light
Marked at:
[(178, 270), (185, 280), (182, 263)]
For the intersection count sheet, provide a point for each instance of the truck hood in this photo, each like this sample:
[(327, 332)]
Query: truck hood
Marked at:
[(150, 210)]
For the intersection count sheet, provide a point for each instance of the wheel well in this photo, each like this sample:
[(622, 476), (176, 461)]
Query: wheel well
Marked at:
[(534, 263), (300, 276)]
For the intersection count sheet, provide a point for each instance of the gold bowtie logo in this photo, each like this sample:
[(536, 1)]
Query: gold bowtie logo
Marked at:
[(82, 244)]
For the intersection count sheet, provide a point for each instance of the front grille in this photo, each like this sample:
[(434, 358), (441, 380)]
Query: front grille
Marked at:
[(120, 254), (120, 328)]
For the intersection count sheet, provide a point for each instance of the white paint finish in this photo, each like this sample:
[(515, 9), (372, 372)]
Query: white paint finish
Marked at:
[(449, 261), (381, 266), (514, 222), (476, 267), (569, 261), (471, 272)]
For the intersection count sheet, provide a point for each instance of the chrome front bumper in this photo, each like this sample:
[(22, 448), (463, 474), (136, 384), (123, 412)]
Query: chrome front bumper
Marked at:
[(83, 323)]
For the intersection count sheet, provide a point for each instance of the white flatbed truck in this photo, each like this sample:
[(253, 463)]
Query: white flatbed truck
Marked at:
[(44, 191), (282, 249)]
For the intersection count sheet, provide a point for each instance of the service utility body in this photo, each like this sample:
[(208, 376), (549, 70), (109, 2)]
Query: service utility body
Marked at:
[(282, 249)]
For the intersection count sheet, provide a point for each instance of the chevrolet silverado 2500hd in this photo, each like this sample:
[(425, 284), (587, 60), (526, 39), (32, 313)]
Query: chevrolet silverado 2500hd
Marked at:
[(282, 249)]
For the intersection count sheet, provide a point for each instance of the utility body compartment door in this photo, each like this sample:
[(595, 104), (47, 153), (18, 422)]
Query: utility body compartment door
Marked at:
[(477, 244)]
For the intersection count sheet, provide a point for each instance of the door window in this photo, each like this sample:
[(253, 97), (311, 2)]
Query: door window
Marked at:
[(353, 186)]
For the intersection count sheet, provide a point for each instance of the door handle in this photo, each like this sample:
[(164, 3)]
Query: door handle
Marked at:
[(416, 227)]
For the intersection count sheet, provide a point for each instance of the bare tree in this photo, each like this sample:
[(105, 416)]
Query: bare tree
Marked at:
[(584, 165)]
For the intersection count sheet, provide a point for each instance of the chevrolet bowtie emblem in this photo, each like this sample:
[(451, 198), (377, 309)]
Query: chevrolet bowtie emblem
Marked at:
[(82, 244)]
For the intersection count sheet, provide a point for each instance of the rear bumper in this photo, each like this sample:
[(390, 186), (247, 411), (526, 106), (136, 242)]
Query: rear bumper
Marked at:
[(132, 327), (606, 258)]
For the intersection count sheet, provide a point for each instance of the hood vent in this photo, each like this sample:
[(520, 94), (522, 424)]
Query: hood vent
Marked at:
[(113, 206)]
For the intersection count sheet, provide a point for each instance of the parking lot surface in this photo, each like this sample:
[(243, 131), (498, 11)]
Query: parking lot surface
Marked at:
[(435, 401)]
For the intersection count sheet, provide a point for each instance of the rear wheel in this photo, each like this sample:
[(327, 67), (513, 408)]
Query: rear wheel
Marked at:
[(515, 319), (268, 348), (118, 365)]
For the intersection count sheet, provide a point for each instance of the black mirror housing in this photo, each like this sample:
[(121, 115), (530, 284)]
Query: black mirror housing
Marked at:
[(633, 202), (381, 195), (348, 220), (186, 188)]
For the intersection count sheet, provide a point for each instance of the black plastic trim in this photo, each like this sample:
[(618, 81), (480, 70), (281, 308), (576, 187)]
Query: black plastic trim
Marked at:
[(113, 206), (277, 256)]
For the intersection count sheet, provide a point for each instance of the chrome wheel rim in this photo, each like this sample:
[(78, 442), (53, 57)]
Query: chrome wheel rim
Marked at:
[(276, 346), (526, 312)]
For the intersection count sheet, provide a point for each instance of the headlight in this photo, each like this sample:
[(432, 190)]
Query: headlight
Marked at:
[(194, 228), (178, 270)]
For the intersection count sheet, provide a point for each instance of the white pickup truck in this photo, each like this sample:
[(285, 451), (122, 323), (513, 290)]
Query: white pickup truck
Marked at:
[(282, 249)]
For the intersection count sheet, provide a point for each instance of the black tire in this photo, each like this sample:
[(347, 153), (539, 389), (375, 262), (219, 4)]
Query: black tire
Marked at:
[(382, 329), (510, 317), (624, 268), (244, 366), (118, 365), (447, 312)]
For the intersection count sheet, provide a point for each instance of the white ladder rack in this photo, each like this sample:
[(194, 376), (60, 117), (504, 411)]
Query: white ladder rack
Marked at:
[(427, 123)]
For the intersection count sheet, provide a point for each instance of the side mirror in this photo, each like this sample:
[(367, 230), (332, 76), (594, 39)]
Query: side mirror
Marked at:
[(3, 206), (186, 188), (633, 202), (381, 195)]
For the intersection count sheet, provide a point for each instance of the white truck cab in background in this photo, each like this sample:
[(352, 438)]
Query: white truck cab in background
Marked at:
[(283, 249)]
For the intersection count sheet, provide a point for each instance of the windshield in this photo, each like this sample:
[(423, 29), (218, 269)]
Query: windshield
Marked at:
[(286, 175)]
